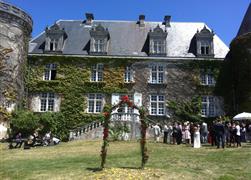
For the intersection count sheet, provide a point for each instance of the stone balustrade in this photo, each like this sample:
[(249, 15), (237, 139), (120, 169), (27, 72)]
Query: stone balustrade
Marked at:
[(78, 132), (125, 117)]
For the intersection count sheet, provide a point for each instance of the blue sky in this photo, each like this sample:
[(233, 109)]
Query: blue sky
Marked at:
[(223, 16)]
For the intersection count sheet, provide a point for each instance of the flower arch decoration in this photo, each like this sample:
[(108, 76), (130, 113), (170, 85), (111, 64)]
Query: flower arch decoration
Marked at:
[(106, 122)]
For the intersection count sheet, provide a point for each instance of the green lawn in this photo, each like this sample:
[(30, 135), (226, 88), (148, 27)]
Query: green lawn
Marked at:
[(81, 160)]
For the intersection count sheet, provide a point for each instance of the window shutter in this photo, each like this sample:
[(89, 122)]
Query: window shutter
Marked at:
[(137, 99), (149, 73), (115, 99), (35, 103), (57, 102)]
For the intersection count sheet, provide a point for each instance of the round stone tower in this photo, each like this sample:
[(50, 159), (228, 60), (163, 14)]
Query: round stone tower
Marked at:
[(15, 30)]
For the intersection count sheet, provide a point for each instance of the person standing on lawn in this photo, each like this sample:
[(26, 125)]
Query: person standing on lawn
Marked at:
[(157, 132), (238, 134), (220, 134), (165, 134), (196, 141), (187, 134)]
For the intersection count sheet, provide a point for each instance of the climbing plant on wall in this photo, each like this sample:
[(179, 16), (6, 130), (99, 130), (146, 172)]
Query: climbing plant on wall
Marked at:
[(72, 83), (106, 122)]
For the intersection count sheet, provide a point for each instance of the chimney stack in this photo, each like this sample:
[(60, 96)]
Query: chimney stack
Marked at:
[(167, 20), (141, 20), (89, 18)]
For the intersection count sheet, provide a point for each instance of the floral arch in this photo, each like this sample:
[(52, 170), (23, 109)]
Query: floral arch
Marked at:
[(106, 122)]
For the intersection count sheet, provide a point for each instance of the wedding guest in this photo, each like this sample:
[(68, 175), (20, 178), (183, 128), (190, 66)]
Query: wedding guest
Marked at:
[(157, 132), (243, 132), (166, 129), (196, 141), (220, 134), (204, 132), (238, 135), (187, 134)]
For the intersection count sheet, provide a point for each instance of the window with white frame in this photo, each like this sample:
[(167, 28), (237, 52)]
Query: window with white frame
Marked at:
[(97, 72), (50, 72), (208, 106), (157, 74), (205, 48), (99, 45), (207, 79), (157, 105), (53, 45), (47, 102), (128, 74), (158, 46), (95, 103)]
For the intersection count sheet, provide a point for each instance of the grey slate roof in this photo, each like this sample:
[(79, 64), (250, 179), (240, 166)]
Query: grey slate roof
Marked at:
[(128, 39), (246, 22)]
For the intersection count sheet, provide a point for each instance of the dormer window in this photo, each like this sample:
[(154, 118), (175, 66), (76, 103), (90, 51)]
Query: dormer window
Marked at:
[(157, 39), (99, 45), (204, 43), (55, 38), (158, 47), (204, 48), (99, 40)]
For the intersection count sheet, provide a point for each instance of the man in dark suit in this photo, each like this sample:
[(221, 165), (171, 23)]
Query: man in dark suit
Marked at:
[(220, 134)]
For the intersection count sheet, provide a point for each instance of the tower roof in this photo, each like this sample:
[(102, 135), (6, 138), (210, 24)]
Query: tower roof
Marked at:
[(246, 22)]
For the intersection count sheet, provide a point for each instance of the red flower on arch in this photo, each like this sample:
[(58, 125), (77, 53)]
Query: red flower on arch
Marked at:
[(125, 99)]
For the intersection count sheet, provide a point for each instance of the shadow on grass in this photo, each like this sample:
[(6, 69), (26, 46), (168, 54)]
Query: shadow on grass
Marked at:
[(99, 169), (130, 167), (94, 169)]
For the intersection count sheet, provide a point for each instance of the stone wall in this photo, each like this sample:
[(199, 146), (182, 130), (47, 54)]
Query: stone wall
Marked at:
[(15, 29)]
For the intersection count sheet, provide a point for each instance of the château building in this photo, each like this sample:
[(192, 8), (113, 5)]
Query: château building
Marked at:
[(77, 67)]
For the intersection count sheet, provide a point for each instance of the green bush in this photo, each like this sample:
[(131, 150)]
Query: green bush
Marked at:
[(25, 122)]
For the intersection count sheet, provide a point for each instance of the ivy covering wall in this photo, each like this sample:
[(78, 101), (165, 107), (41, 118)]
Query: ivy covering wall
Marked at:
[(190, 110), (72, 83)]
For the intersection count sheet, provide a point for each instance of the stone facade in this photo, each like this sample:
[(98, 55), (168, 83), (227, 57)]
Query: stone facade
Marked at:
[(92, 63), (15, 29)]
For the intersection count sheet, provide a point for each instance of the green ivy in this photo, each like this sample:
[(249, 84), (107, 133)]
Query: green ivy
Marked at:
[(186, 110), (73, 83)]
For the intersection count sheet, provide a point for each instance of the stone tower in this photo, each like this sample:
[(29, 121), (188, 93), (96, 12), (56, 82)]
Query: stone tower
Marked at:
[(15, 30), (246, 23)]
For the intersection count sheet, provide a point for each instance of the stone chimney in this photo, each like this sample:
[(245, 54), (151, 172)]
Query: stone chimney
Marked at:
[(89, 18), (167, 20), (141, 20)]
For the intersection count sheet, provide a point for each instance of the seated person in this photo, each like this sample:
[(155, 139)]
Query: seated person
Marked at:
[(18, 140)]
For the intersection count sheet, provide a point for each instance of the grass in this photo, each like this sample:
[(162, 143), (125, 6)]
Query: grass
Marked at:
[(81, 160)]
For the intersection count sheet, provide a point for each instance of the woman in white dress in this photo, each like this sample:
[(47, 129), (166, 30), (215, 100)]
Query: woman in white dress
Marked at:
[(196, 141)]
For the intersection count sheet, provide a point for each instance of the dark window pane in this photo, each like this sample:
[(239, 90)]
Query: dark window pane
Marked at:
[(53, 74)]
